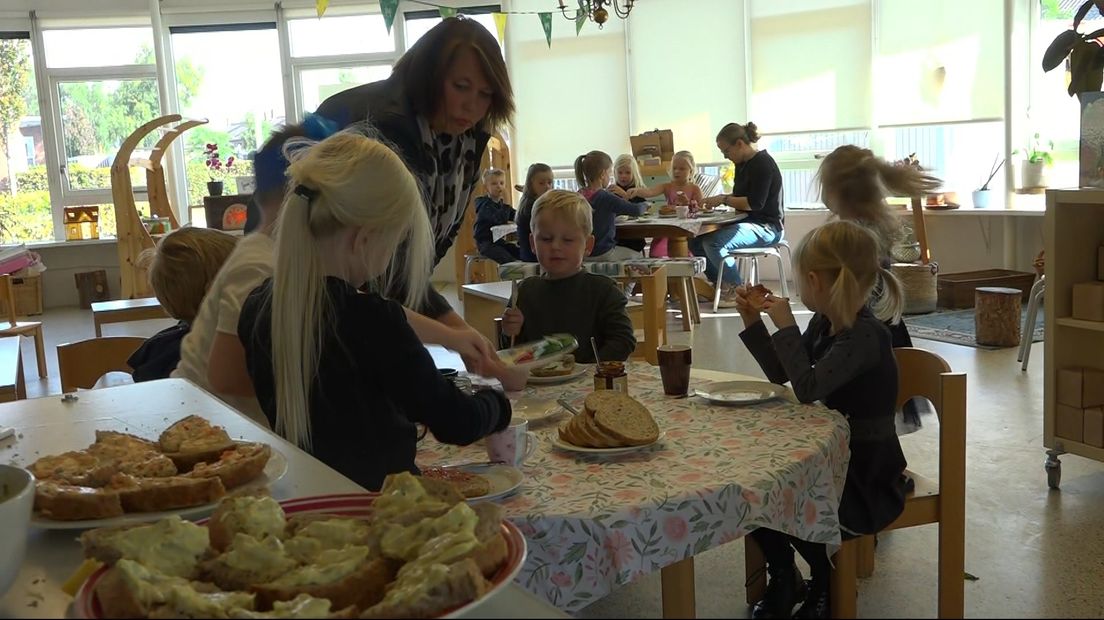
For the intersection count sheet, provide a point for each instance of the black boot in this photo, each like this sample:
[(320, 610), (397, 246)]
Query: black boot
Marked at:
[(817, 603), (785, 588)]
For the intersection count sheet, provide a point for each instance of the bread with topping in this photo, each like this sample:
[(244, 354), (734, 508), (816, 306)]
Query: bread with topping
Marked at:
[(236, 466), (67, 502), (193, 440), (171, 493)]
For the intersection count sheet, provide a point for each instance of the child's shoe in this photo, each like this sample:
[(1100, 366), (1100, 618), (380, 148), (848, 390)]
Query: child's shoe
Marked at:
[(817, 603), (785, 588)]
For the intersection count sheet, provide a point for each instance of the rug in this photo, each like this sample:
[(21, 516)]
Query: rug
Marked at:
[(957, 326)]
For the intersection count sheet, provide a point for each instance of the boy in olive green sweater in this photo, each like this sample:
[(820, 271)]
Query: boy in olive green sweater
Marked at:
[(565, 298)]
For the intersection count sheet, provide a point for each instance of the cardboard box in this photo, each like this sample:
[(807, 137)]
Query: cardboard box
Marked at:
[(1094, 427), (1088, 301), (1081, 387), (650, 145), (1069, 423)]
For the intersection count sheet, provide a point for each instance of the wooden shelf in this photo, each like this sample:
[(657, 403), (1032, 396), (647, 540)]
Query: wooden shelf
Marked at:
[(1096, 326)]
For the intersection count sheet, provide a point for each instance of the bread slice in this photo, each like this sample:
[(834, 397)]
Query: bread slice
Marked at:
[(186, 601), (600, 438), (75, 468), (600, 399), (627, 421), (455, 586), (170, 546), (237, 466), (363, 587), (302, 606), (466, 483), (130, 590), (257, 515), (158, 494), (194, 440), (248, 562), (492, 550), (65, 502)]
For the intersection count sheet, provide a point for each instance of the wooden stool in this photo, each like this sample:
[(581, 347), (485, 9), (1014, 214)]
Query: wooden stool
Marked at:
[(997, 316)]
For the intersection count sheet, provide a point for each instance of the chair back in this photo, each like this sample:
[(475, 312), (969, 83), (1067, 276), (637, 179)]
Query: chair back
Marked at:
[(920, 373), (81, 364), (7, 301), (707, 182)]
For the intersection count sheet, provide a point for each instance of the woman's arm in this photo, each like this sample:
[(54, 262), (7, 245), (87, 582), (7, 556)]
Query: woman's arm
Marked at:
[(618, 205), (226, 370)]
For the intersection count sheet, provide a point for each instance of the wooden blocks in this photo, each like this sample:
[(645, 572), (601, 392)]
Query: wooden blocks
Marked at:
[(1094, 427), (997, 316), (1088, 301), (1081, 387)]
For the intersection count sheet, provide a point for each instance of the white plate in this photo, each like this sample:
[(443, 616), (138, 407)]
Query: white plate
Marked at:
[(570, 447), (504, 479), (275, 469), (578, 371), (534, 409), (740, 392)]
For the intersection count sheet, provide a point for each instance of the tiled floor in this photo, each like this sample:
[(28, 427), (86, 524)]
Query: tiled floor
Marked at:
[(1035, 552)]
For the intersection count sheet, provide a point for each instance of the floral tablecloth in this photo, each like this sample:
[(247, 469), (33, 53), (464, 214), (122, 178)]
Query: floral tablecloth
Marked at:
[(593, 523)]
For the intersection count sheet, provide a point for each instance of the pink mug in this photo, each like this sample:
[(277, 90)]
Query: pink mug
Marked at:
[(512, 445)]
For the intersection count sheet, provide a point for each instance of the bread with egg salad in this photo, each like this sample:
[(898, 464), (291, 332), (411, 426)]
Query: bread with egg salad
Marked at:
[(247, 562), (170, 546), (131, 590), (347, 576), (428, 591), (302, 606), (193, 440), (257, 515)]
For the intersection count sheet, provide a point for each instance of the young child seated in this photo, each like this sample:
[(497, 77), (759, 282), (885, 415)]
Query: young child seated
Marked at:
[(538, 180), (491, 210), (627, 175), (679, 191), (565, 298), (592, 172), (342, 373), (181, 269), (845, 360)]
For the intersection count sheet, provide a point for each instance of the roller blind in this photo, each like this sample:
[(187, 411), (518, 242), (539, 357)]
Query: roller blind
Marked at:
[(810, 64), (687, 72)]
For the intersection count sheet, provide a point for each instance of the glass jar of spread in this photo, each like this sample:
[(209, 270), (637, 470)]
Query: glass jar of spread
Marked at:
[(611, 376)]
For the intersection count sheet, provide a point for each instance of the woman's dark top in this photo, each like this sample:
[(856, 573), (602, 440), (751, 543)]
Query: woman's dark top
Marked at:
[(525, 228), (855, 373), (374, 380), (385, 106), (488, 214), (760, 181)]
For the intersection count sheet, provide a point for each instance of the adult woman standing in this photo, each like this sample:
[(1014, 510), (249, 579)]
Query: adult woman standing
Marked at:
[(756, 190), (446, 95)]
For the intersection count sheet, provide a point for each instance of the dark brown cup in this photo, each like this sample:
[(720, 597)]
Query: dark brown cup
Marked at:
[(674, 367)]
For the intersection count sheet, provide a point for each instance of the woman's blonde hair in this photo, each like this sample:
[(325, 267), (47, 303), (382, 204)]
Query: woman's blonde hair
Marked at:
[(347, 181), (689, 157), (624, 160), (849, 257), (859, 182), (570, 206), (183, 265)]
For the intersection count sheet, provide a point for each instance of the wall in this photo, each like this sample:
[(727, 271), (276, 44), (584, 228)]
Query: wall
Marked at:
[(59, 288)]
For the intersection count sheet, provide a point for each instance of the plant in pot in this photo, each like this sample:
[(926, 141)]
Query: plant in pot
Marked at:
[(1036, 158), (217, 171), (980, 195)]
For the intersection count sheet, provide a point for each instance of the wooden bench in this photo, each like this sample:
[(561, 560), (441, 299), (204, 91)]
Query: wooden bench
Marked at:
[(12, 386), (125, 310)]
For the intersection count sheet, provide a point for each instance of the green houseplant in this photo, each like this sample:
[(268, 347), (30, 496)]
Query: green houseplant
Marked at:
[(1037, 156)]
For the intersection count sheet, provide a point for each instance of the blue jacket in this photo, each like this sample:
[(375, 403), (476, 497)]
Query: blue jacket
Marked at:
[(488, 213), (607, 207)]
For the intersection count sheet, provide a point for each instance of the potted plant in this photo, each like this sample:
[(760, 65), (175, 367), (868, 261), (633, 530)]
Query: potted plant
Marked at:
[(980, 196), (1036, 158), (216, 169)]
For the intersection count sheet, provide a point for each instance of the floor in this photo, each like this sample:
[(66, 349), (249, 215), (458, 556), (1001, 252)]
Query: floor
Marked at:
[(1034, 552)]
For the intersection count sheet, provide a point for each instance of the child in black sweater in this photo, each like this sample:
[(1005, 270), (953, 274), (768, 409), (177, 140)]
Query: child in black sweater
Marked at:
[(490, 211)]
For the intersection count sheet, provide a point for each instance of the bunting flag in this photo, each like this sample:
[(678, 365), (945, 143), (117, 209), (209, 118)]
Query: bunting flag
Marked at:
[(546, 22), (580, 19), (320, 6), (446, 12), (389, 8), (500, 23)]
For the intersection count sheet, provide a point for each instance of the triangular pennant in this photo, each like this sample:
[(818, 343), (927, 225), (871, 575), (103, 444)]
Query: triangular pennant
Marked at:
[(389, 8), (321, 6), (446, 12), (546, 23), (580, 19), (500, 23)]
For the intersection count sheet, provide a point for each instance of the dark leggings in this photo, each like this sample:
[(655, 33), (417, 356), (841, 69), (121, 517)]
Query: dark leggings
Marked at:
[(778, 548), (500, 252)]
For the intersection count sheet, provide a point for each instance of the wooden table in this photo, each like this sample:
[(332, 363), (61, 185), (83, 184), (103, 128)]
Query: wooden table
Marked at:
[(124, 310), (12, 386), (49, 425), (678, 244)]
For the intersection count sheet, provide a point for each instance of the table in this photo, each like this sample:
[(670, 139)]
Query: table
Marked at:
[(678, 231), (1010, 218), (49, 425), (594, 523), (124, 310)]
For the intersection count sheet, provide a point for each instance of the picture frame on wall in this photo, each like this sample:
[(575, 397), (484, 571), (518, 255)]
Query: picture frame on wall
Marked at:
[(1091, 153)]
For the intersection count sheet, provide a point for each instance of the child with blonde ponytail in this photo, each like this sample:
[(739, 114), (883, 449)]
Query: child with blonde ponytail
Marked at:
[(338, 372), (845, 360)]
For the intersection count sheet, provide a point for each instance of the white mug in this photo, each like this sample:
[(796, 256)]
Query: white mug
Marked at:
[(682, 211), (512, 445)]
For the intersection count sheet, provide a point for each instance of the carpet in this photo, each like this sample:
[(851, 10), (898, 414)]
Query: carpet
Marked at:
[(957, 326)]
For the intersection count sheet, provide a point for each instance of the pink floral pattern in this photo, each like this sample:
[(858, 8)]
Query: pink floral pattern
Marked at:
[(593, 523)]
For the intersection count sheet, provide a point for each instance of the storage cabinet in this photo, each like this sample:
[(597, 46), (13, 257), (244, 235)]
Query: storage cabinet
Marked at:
[(1074, 348)]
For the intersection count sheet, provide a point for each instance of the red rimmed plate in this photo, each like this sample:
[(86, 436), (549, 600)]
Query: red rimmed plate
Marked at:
[(86, 604)]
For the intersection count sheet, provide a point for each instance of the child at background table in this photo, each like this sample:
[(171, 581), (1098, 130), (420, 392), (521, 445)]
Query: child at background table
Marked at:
[(491, 210), (592, 172), (566, 298), (679, 191), (340, 373), (181, 269), (627, 174), (845, 360), (538, 180)]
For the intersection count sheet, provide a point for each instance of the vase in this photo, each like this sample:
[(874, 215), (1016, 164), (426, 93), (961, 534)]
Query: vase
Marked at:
[(1032, 174), (981, 198), (214, 188)]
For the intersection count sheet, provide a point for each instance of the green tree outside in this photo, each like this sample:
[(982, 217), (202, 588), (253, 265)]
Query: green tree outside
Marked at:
[(13, 83)]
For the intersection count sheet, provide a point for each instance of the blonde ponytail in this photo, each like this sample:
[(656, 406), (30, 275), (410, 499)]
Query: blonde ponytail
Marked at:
[(846, 256)]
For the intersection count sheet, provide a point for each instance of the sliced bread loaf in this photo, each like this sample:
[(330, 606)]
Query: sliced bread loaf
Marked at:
[(626, 420)]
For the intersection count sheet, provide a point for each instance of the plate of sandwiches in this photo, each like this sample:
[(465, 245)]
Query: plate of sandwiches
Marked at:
[(740, 392), (122, 478), (610, 423), (561, 371), (539, 353), (414, 550), (478, 482)]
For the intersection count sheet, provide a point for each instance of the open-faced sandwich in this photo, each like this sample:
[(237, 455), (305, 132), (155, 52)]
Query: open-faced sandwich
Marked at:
[(757, 296), (421, 552), (193, 463), (610, 419), (466, 483), (565, 366)]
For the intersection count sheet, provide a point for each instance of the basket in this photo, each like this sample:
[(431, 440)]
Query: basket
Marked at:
[(919, 283)]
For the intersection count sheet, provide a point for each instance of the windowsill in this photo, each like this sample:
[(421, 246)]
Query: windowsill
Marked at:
[(49, 245)]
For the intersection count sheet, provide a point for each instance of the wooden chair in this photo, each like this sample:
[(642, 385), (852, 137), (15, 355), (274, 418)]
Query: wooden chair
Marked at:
[(15, 327), (926, 374), (650, 317), (81, 364)]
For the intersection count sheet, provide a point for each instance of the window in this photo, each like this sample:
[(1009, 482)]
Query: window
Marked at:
[(231, 76), (798, 156), (24, 192), (331, 36), (317, 84)]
